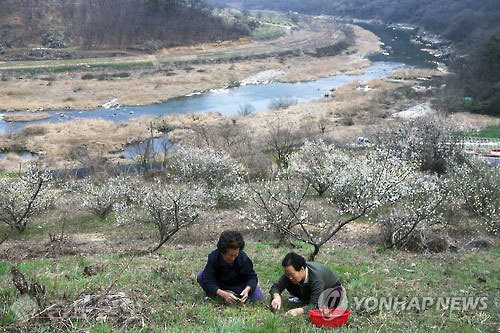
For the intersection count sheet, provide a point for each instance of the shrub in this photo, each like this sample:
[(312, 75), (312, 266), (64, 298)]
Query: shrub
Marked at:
[(477, 186), (121, 75), (98, 197), (316, 164), (222, 175), (427, 141), (33, 131), (347, 121), (48, 78), (170, 207), (23, 198), (282, 102), (246, 110), (282, 139), (408, 221)]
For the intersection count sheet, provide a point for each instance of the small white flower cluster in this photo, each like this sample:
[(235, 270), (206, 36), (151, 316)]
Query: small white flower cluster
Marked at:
[(24, 197), (169, 206), (99, 197), (221, 174), (477, 186)]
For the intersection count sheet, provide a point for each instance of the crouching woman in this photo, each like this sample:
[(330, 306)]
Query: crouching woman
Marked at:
[(229, 271)]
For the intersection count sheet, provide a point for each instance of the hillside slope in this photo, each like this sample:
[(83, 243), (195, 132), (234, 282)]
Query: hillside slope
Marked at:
[(463, 21), (96, 24)]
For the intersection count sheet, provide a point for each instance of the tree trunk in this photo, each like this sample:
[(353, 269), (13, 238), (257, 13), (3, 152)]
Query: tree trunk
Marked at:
[(20, 227), (315, 252), (281, 239), (160, 244)]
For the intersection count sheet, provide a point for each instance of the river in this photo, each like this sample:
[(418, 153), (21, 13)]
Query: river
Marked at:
[(399, 52)]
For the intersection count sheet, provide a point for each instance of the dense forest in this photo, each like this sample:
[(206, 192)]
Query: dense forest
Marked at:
[(472, 26), (94, 24)]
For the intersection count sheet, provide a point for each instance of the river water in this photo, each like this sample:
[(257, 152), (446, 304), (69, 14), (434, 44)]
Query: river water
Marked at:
[(399, 52)]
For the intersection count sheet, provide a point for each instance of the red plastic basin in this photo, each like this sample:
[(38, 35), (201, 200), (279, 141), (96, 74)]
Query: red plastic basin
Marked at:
[(329, 317)]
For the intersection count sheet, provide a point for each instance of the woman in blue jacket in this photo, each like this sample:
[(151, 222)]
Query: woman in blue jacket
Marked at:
[(229, 271)]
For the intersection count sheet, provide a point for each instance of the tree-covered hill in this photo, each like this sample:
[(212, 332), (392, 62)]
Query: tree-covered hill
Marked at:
[(95, 24), (460, 21)]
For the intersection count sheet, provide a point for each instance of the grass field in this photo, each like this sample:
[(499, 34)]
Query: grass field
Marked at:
[(492, 132), (267, 32), (166, 297)]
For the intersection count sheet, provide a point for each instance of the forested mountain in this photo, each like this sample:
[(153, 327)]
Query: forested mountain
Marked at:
[(94, 24)]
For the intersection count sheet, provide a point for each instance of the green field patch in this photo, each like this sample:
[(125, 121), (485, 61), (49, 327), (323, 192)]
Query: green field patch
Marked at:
[(4, 268), (267, 32), (490, 132), (164, 287)]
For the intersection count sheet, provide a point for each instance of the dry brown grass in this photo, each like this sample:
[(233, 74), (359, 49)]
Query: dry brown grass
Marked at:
[(413, 73), (26, 116), (473, 121), (323, 117), (13, 163), (15, 92), (56, 141)]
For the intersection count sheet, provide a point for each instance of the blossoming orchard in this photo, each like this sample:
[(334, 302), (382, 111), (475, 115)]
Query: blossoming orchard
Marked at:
[(403, 185)]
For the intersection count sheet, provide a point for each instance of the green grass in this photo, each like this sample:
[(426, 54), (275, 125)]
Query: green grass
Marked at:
[(276, 18), (164, 287), (267, 32), (45, 68), (11, 174), (492, 132)]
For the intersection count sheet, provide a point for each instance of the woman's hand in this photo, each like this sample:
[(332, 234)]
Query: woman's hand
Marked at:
[(244, 294), (228, 297), (276, 302)]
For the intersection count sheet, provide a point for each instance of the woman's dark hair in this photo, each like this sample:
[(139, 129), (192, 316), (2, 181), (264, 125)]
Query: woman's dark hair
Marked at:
[(230, 239), (295, 260)]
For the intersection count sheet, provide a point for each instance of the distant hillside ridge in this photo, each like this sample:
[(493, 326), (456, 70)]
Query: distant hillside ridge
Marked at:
[(102, 24), (460, 21)]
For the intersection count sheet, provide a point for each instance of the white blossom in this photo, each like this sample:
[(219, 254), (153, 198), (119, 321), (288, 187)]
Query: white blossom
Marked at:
[(24, 197), (170, 207), (317, 163), (100, 197), (222, 175), (357, 186), (420, 208), (477, 185)]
